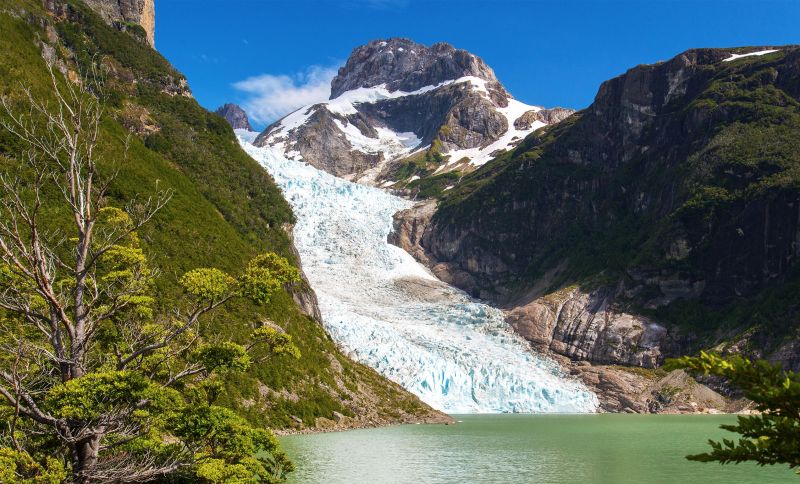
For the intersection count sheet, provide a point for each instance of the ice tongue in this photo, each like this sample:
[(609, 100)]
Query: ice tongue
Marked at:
[(388, 312)]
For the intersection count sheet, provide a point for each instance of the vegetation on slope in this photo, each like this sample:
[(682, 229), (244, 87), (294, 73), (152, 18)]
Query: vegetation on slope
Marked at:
[(225, 208)]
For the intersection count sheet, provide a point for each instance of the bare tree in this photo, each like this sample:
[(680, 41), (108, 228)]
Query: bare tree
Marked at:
[(62, 286)]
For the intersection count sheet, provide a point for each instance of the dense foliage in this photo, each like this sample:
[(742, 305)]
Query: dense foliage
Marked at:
[(98, 382), (225, 209), (772, 437)]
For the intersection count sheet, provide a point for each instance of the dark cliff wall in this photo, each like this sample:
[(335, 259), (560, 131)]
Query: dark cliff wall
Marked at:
[(681, 182)]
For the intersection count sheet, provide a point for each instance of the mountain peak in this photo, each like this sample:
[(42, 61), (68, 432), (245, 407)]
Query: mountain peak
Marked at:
[(402, 112), (235, 116), (404, 65)]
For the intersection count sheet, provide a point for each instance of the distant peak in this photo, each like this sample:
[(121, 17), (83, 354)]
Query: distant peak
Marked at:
[(235, 116)]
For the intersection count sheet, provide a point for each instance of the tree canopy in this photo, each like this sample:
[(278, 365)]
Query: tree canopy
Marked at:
[(773, 436), (99, 380)]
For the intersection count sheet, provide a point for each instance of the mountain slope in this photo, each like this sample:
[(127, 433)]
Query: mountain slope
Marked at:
[(663, 218), (226, 208), (401, 112)]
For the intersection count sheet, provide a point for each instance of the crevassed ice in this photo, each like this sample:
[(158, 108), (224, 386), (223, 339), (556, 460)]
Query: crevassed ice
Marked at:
[(389, 312)]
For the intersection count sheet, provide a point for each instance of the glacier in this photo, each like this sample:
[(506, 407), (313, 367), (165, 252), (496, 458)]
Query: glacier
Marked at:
[(389, 312)]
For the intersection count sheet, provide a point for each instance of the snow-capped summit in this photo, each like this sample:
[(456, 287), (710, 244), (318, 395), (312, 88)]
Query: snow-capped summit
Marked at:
[(403, 65), (401, 112)]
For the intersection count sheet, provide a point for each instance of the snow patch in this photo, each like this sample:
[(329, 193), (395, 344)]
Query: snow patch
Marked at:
[(512, 112), (394, 145), (388, 142), (739, 56)]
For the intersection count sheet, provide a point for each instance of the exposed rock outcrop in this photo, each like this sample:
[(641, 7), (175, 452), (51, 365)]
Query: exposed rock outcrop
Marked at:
[(142, 12), (586, 326), (546, 116), (628, 390), (235, 116), (119, 13), (302, 292), (409, 228)]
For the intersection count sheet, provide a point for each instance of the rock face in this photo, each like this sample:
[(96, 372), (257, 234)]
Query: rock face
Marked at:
[(677, 186), (403, 65), (142, 12), (395, 97), (302, 292), (624, 390), (235, 116), (586, 326), (546, 116)]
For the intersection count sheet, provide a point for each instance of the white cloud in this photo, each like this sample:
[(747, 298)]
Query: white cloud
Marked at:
[(273, 96)]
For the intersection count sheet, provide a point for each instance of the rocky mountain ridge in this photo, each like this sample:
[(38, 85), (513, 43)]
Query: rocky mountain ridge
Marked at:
[(662, 219), (402, 114), (403, 65)]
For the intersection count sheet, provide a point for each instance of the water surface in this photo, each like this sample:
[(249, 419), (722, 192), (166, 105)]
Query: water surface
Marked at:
[(606, 448)]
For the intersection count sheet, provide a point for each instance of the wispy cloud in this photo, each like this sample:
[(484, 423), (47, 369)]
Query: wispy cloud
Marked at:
[(272, 96)]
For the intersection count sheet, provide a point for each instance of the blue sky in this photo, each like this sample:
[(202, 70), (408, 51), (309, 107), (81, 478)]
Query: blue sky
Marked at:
[(273, 56)]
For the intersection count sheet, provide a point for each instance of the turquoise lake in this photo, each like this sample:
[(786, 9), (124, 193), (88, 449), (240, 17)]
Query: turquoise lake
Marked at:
[(607, 448)]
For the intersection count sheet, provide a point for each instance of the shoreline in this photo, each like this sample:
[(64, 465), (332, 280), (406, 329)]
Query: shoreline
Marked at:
[(456, 421), (361, 426)]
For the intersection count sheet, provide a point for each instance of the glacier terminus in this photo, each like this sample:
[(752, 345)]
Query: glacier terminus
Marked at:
[(387, 311)]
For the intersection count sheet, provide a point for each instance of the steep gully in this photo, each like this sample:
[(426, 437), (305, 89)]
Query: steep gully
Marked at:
[(389, 312)]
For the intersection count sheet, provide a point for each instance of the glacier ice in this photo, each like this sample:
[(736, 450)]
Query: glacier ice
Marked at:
[(387, 311)]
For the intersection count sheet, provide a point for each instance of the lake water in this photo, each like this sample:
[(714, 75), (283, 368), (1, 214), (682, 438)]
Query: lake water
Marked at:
[(608, 448)]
